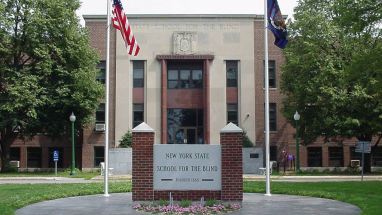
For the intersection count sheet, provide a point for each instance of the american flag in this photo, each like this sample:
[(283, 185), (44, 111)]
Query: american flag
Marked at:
[(120, 22)]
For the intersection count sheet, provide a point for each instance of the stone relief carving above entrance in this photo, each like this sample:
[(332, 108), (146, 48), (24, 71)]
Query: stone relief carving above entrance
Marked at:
[(184, 42)]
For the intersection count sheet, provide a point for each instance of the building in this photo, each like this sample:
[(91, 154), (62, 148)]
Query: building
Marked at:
[(194, 74)]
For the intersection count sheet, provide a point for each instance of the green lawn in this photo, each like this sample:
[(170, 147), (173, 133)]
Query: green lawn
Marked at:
[(366, 195), (14, 196)]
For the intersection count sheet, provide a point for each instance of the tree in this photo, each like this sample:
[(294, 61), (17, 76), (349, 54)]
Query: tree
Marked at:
[(333, 75), (127, 140), (47, 70)]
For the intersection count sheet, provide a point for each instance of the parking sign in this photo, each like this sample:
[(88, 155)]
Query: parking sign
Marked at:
[(363, 146), (55, 155)]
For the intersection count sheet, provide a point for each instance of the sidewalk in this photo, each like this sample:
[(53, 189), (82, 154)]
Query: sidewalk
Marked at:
[(247, 177), (42, 180), (318, 178), (258, 204), (253, 177)]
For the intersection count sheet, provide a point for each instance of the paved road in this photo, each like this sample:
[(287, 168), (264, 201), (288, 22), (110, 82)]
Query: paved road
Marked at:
[(62, 180), (256, 204)]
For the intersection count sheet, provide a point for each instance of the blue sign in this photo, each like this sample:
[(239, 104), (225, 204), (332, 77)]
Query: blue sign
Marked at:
[(363, 146), (55, 155)]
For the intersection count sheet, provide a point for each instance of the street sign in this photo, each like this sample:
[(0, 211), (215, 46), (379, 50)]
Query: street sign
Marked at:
[(363, 146), (55, 155)]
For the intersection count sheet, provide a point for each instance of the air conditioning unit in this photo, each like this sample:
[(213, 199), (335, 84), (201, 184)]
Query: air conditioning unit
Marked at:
[(354, 163), (100, 127), (15, 164)]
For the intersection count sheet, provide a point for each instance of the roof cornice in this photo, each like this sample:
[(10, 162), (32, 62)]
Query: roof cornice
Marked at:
[(244, 16)]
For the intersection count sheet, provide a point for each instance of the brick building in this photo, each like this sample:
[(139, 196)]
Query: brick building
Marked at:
[(194, 74)]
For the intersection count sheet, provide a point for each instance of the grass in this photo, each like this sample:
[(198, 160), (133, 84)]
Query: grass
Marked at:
[(366, 195), (14, 196)]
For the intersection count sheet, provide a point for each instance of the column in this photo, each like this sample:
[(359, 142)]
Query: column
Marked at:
[(206, 93), (346, 154), (325, 155), (142, 173), (231, 138), (23, 157), (164, 102)]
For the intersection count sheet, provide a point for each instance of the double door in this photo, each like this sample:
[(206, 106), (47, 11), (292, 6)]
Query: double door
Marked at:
[(186, 135)]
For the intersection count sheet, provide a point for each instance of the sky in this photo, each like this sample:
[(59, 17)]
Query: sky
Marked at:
[(95, 7)]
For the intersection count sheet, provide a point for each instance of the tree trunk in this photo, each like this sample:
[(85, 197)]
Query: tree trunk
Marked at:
[(4, 151), (6, 140)]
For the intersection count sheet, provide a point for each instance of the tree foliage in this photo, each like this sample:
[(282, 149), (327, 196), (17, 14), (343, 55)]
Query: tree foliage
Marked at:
[(333, 70), (47, 69), (127, 140)]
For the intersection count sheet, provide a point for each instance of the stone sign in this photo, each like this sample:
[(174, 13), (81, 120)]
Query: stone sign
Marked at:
[(187, 167)]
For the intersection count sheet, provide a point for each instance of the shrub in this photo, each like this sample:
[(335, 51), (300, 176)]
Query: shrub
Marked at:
[(126, 140), (163, 202), (210, 202), (185, 203), (247, 143)]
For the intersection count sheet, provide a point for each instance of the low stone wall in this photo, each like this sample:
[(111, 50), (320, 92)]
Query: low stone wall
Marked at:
[(120, 160), (253, 160)]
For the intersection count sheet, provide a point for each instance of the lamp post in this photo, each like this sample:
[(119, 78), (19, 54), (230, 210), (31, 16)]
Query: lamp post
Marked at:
[(72, 119), (296, 119)]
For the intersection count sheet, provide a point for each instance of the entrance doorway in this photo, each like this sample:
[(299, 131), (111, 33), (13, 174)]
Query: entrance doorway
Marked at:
[(186, 135), (185, 126)]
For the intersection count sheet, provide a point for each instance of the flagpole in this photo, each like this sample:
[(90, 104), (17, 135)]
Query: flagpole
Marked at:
[(267, 183), (106, 172)]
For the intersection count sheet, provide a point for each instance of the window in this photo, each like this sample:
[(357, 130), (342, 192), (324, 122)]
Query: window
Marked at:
[(336, 156), (232, 114), (184, 75), (34, 157), (355, 155), (273, 153), (14, 154), (232, 70), (271, 73), (100, 113), (99, 155), (185, 79), (138, 74), (272, 117), (377, 157), (314, 157), (101, 75), (60, 157), (138, 114)]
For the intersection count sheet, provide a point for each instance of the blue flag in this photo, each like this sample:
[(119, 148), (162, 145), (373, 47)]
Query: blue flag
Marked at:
[(277, 24)]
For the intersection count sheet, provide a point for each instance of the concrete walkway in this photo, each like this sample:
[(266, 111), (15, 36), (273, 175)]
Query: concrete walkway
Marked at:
[(42, 180), (256, 204), (315, 178), (248, 177), (253, 177)]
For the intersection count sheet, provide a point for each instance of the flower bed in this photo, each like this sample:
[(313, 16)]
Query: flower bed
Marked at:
[(192, 209)]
